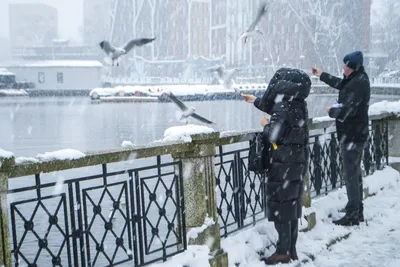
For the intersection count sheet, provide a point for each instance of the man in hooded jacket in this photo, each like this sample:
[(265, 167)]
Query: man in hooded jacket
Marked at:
[(288, 133), (351, 114)]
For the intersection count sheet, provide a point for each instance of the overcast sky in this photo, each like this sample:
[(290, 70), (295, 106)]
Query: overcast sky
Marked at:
[(70, 16)]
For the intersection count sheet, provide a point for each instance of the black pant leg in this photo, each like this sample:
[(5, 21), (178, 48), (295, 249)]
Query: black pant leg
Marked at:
[(284, 238), (351, 155), (294, 228)]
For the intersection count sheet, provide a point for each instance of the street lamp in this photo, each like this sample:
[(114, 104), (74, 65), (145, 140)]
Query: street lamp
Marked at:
[(370, 67), (301, 61), (267, 68)]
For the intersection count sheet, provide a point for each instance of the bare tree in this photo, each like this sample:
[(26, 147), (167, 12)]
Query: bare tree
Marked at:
[(325, 26), (388, 25)]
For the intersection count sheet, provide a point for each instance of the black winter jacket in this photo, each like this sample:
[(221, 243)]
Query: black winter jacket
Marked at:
[(352, 118), (288, 130)]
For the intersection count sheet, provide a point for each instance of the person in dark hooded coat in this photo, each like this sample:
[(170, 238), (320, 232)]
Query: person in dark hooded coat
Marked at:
[(287, 131)]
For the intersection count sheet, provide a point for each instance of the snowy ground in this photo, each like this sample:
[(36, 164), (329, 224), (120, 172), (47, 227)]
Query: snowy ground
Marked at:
[(373, 243)]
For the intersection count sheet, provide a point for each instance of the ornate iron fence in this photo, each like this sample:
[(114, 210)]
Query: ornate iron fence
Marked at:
[(241, 194), (134, 215), (326, 163)]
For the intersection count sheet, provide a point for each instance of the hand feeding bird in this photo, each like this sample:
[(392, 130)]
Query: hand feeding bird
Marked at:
[(114, 53), (251, 31), (187, 111)]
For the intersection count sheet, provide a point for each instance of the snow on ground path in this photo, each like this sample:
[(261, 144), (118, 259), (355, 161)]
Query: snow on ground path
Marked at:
[(374, 243), (371, 244)]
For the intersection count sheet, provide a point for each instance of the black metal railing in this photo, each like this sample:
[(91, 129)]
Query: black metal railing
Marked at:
[(241, 194), (325, 163), (134, 215)]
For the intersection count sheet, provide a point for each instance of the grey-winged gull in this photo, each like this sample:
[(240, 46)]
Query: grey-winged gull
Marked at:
[(251, 31), (225, 77), (187, 111), (115, 52)]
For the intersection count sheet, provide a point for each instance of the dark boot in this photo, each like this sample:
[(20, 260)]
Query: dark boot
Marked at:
[(293, 254), (360, 212), (347, 220), (277, 258)]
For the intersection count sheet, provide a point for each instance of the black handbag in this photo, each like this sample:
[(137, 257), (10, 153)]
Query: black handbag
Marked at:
[(258, 154)]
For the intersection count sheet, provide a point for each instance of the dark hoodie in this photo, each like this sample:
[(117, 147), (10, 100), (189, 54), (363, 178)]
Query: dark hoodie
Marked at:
[(288, 130)]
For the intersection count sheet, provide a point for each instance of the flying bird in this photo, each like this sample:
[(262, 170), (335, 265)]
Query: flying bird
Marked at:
[(251, 31), (187, 111), (114, 53), (225, 77)]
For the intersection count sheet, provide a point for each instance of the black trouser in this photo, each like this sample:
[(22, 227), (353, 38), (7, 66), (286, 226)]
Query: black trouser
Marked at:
[(287, 237), (351, 159)]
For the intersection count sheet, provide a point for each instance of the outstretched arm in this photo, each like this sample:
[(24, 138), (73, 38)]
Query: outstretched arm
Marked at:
[(261, 103), (265, 103), (330, 80)]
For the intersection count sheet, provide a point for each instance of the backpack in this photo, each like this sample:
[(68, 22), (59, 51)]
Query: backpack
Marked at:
[(258, 154)]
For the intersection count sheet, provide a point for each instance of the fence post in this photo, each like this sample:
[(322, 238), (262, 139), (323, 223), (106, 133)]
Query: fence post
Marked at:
[(200, 196), (333, 160), (377, 143), (317, 160), (6, 164), (393, 138), (306, 199), (309, 217)]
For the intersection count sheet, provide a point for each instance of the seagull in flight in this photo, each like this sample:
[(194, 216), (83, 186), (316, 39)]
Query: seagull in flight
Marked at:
[(115, 52), (187, 111), (225, 77), (251, 31)]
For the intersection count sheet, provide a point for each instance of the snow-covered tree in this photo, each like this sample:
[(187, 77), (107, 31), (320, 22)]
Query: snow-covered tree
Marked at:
[(386, 29), (331, 27)]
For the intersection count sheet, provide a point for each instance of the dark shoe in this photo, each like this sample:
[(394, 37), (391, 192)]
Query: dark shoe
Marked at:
[(360, 213), (277, 258), (293, 256), (361, 217), (346, 220)]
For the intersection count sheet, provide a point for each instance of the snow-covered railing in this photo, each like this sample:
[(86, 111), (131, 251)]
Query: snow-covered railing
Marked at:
[(206, 80), (145, 198)]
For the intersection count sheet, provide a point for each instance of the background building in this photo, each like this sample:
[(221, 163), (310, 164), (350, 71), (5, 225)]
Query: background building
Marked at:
[(58, 74)]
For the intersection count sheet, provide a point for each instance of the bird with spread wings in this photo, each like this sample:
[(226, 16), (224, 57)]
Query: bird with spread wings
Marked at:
[(187, 112), (251, 31), (114, 53)]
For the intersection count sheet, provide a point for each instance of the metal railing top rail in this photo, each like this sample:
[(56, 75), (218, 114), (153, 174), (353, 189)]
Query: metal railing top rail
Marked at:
[(151, 150)]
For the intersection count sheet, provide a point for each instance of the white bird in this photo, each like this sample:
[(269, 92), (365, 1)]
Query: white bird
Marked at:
[(187, 111), (115, 52), (225, 77), (251, 31)]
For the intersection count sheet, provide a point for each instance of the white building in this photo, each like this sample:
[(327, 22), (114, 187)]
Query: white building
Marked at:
[(59, 74)]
